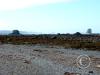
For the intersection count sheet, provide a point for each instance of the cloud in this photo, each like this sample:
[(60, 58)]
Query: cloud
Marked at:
[(18, 4)]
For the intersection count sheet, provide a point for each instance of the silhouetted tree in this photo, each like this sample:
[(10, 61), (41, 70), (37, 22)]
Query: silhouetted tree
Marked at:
[(15, 32), (78, 33), (89, 31)]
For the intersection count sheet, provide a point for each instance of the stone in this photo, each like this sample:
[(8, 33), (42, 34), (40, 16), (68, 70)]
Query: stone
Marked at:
[(68, 73)]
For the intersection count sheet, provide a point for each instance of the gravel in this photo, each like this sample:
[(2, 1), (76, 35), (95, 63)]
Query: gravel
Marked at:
[(44, 60)]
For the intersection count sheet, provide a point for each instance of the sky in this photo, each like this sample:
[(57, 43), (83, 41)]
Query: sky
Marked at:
[(50, 16)]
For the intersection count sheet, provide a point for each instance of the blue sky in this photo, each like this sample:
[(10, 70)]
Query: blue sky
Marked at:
[(51, 16)]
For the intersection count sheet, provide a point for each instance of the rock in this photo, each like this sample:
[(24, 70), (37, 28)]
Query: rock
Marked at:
[(91, 72), (68, 73), (27, 61), (97, 66)]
